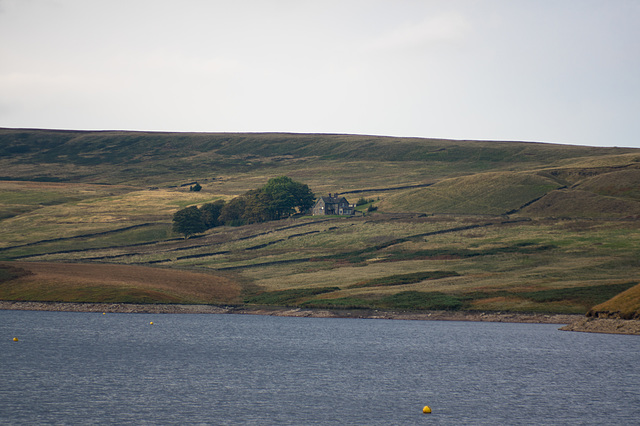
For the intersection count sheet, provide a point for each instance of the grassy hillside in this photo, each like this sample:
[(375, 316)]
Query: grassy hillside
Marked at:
[(625, 305), (112, 283), (460, 224), (481, 193), (463, 263), (153, 158)]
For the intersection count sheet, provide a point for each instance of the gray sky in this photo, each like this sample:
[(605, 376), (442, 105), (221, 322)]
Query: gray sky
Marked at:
[(564, 71)]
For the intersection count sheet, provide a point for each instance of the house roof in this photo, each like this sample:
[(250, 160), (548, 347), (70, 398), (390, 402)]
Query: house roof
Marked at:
[(333, 200)]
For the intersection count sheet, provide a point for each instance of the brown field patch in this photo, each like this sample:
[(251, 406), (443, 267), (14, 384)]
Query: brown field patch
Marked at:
[(102, 283)]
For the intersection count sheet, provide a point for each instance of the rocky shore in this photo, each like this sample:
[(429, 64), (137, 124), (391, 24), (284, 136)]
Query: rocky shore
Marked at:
[(289, 312), (604, 325), (573, 322)]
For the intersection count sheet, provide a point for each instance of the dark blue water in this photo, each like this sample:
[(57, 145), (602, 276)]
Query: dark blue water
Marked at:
[(81, 368)]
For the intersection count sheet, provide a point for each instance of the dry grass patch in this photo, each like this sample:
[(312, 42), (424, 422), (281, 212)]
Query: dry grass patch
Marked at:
[(621, 183), (600, 161), (97, 215), (110, 283), (483, 193), (293, 276), (626, 305), (48, 193), (576, 203)]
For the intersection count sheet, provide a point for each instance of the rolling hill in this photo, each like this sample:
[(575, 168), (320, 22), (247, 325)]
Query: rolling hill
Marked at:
[(511, 226)]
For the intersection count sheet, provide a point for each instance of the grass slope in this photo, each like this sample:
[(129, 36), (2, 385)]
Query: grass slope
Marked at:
[(481, 193), (502, 226), (155, 158), (487, 264), (625, 305), (60, 282)]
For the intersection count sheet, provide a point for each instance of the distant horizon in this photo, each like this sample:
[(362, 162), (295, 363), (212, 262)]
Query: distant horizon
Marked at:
[(314, 133)]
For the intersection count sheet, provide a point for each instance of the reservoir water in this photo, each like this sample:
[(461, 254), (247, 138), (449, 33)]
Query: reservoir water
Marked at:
[(87, 368)]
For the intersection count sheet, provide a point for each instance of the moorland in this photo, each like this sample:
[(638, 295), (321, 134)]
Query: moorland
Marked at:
[(85, 216)]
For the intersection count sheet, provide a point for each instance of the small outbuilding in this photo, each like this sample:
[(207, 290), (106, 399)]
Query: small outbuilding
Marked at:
[(333, 205)]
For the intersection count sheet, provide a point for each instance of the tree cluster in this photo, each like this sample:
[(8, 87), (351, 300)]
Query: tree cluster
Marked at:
[(363, 201), (280, 198)]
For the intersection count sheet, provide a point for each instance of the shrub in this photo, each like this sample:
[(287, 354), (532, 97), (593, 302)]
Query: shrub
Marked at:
[(420, 300), (401, 279), (287, 297)]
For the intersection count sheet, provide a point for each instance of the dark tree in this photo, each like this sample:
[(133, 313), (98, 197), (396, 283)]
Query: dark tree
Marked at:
[(232, 213), (211, 213), (197, 187), (279, 198), (286, 196), (188, 221), (257, 207)]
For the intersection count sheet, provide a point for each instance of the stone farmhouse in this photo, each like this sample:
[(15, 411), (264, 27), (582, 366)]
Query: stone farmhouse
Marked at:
[(333, 205)]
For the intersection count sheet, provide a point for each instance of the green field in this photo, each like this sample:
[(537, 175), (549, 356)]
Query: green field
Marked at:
[(503, 226)]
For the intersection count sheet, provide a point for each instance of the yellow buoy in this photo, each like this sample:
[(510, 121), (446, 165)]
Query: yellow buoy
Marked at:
[(104, 313), (151, 323), (426, 409), (15, 339)]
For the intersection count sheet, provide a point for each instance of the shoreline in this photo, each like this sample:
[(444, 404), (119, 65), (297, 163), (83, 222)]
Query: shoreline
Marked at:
[(570, 322), (290, 312)]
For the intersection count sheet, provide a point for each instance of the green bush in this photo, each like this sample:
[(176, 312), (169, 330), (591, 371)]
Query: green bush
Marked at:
[(406, 300), (587, 296), (420, 300), (402, 279), (340, 303), (287, 297)]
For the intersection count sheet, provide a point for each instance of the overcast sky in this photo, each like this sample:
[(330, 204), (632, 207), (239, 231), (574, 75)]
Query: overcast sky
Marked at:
[(563, 71)]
